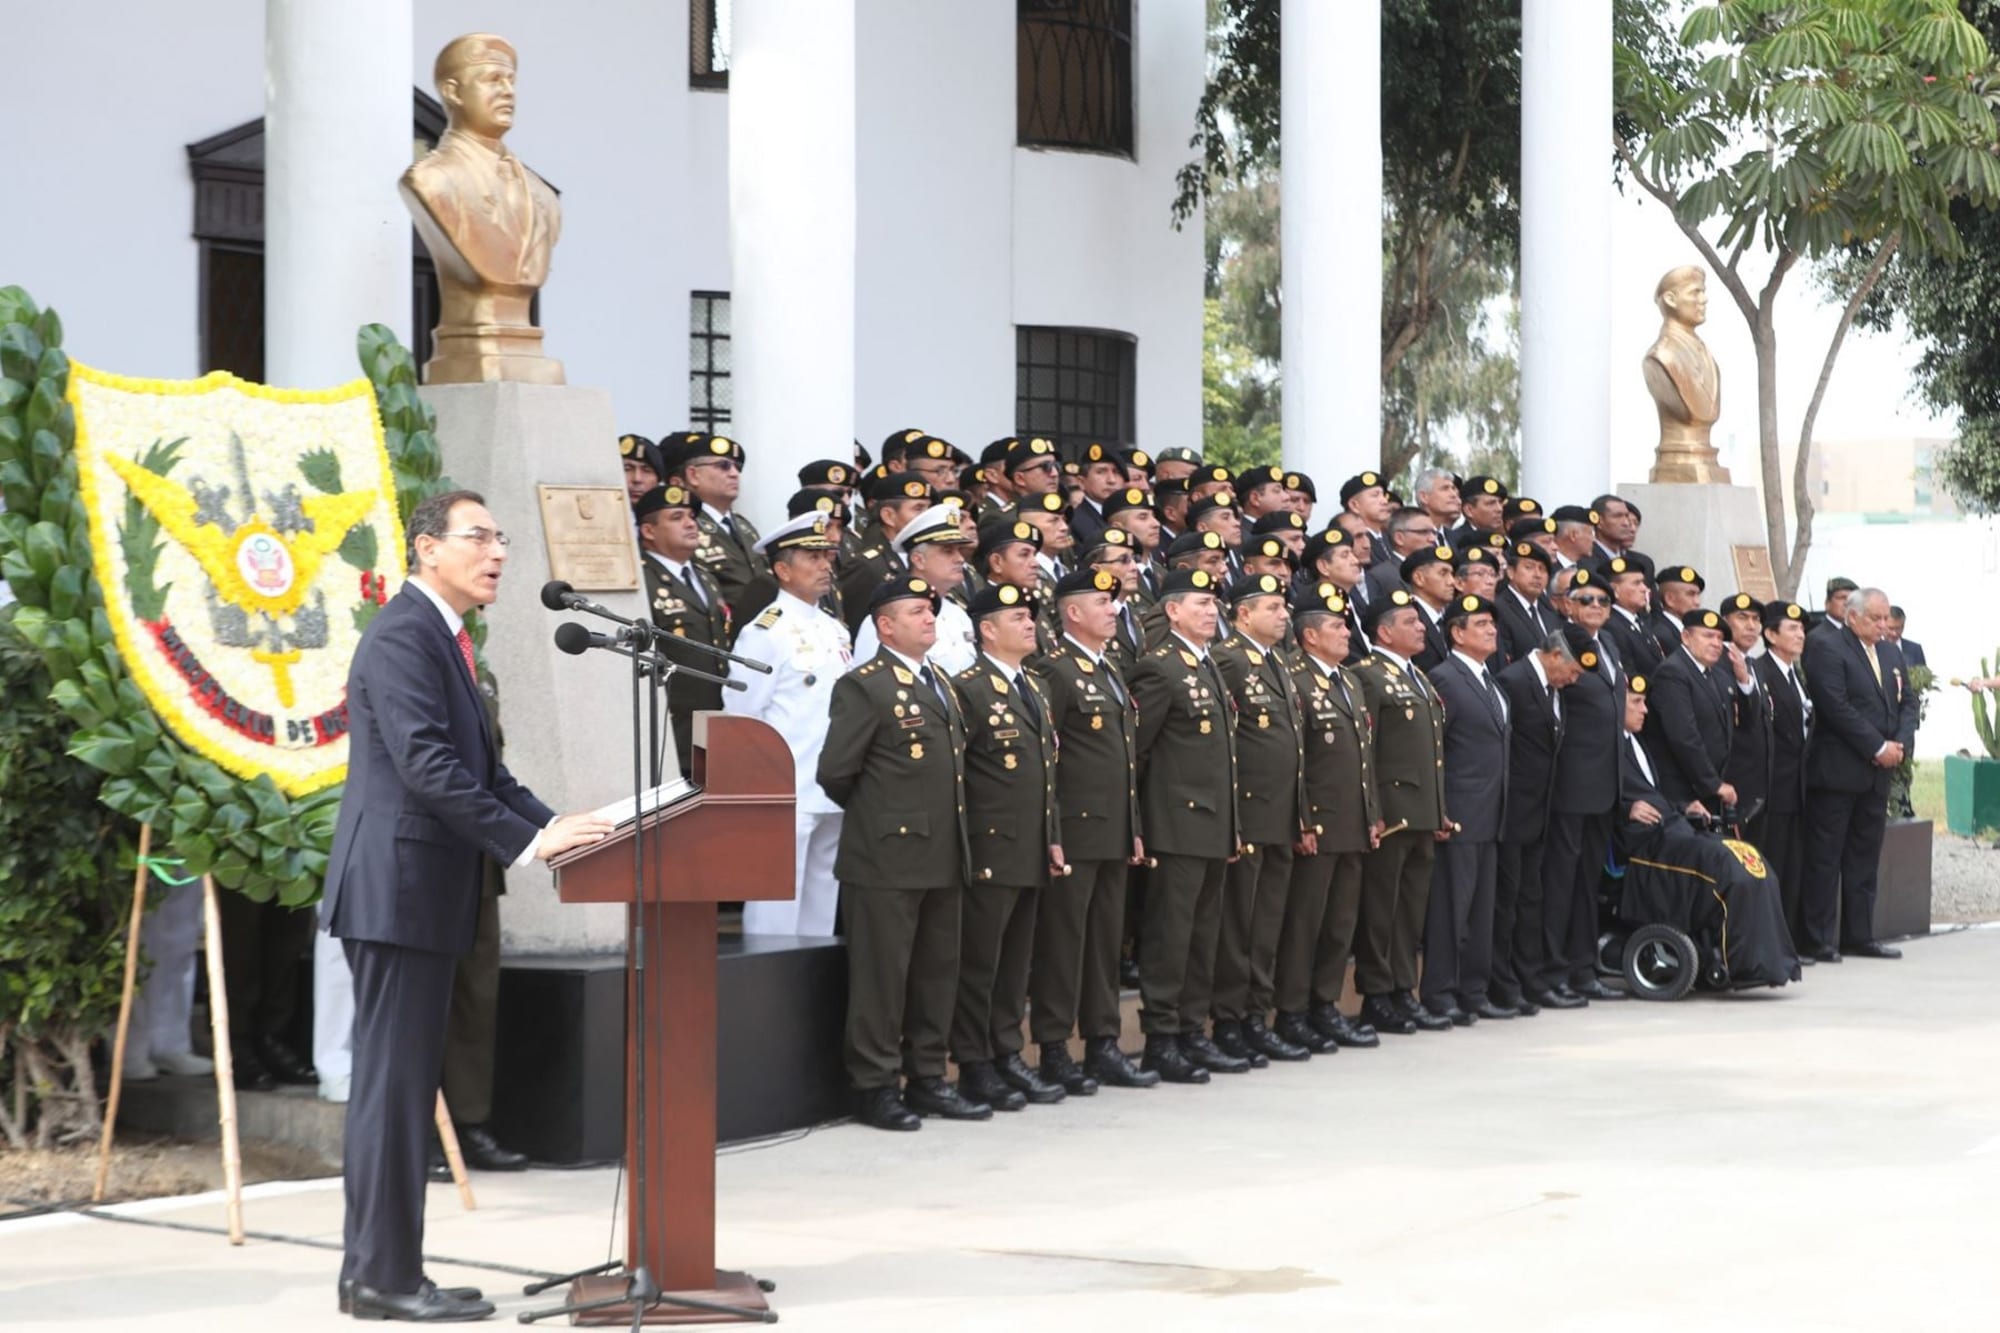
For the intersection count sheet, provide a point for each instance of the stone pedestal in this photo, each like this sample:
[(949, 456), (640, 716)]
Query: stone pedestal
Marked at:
[(567, 720), (1706, 526)]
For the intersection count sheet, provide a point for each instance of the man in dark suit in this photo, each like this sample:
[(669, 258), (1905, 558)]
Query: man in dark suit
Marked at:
[(1749, 765), (1534, 685), (1779, 829), (1631, 606), (1913, 652), (685, 602), (1690, 722), (1103, 476), (1458, 927), (427, 799), (1867, 720), (1428, 573), (1526, 617)]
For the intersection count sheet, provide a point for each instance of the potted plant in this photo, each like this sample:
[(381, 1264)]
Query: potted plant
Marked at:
[(1972, 783)]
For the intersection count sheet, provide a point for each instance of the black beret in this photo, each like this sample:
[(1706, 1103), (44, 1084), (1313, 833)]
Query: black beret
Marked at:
[(1523, 528), (1619, 564), (996, 452), (1137, 458), (903, 587), (1257, 585), (897, 443), (813, 500), (1280, 520), (889, 486), (1521, 506), (1475, 555), (1128, 497), (1777, 613), (1098, 453), (1530, 551), (1743, 601), (1429, 555), (1576, 514), (1299, 481), (1683, 574), (1464, 607), (1395, 600), (660, 498), (1195, 541), (1312, 597), (1320, 543), (644, 450), (999, 597), (1190, 580), (1088, 580), (1254, 477), (1208, 504), (1580, 644), (1271, 548), (1474, 487), (1700, 618), (1359, 482), (1004, 532), (826, 472), (1022, 453), (930, 447)]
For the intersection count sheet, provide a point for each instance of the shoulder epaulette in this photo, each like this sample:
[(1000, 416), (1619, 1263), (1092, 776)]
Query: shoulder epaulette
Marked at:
[(771, 616), (871, 553), (868, 668)]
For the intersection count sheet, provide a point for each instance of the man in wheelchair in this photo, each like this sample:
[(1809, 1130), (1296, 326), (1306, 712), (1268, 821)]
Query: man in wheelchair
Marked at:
[(1696, 906)]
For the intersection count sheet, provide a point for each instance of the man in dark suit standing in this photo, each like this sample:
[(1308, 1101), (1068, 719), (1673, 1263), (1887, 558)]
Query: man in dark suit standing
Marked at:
[(1526, 617), (1534, 685), (1867, 721), (427, 799), (1689, 726), (1913, 652), (1749, 766), (1779, 829)]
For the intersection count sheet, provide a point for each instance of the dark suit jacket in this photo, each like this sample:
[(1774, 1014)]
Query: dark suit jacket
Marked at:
[(1913, 652), (1688, 725), (1749, 766), (1665, 636), (427, 798), (1856, 716), (1630, 835), (1520, 634), (1384, 578), (1088, 525), (1790, 738), (1531, 753), (894, 761), (1638, 651), (1587, 764), (1437, 647), (1475, 752)]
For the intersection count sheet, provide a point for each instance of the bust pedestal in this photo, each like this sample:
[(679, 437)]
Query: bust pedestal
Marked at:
[(1706, 525), (566, 720)]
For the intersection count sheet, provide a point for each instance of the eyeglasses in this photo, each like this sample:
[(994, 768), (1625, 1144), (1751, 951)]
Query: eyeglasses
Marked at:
[(480, 537), (1589, 599), (728, 463)]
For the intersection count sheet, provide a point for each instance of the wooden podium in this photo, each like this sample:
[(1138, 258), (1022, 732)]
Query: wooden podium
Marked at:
[(731, 841)]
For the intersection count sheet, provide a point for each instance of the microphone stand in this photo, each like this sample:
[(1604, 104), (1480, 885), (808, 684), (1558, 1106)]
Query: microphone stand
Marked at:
[(652, 674)]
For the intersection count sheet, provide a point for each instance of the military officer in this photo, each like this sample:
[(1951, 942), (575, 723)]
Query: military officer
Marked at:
[(1748, 768), (1080, 927), (714, 472), (1330, 557), (640, 458), (1032, 468), (1483, 510), (807, 651), (838, 480), (1010, 779), (1689, 726), (894, 499), (1116, 552), (932, 547), (1779, 829), (1270, 776), (1365, 496), (1680, 589), (1526, 617), (1428, 574), (1103, 476), (1131, 511), (1187, 802), (685, 602), (893, 760), (822, 501), (1341, 822), (1409, 764), (1191, 550)]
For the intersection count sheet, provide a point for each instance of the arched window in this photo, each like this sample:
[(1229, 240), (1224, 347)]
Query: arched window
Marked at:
[(1073, 74)]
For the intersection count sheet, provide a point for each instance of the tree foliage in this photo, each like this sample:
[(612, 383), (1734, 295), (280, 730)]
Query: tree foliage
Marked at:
[(1810, 129)]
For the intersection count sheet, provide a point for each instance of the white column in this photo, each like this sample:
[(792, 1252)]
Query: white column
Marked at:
[(337, 136), (1330, 189), (1565, 251), (791, 240)]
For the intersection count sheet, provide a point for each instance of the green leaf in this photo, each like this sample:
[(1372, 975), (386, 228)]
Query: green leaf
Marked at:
[(358, 548), (321, 469), (106, 748)]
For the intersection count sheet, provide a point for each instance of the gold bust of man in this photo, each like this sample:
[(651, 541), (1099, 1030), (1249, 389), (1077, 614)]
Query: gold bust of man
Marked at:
[(1684, 381), (488, 221)]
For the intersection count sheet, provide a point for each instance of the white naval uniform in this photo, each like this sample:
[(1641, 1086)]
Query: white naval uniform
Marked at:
[(957, 647), (807, 650)]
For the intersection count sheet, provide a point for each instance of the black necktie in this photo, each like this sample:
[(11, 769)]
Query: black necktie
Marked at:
[(693, 581), (1030, 707), (1493, 695), (1111, 679), (937, 686)]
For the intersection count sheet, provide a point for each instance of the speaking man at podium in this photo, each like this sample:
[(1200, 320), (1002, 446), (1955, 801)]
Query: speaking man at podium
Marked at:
[(427, 797)]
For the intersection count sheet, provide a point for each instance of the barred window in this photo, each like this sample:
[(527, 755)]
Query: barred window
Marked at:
[(1073, 74), (709, 396), (1075, 385), (708, 43)]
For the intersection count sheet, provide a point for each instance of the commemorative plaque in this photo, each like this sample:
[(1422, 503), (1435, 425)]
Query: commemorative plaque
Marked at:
[(588, 531)]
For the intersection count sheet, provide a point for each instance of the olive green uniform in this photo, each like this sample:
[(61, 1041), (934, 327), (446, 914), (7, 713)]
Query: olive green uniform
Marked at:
[(690, 608), (1010, 810), (877, 563), (731, 557), (1409, 775), (893, 761)]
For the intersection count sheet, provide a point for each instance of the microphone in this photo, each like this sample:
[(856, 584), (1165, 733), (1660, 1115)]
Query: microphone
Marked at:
[(557, 595), (575, 640)]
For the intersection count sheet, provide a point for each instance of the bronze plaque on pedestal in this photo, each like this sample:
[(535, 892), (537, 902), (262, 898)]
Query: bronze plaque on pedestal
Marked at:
[(588, 530), (1753, 572)]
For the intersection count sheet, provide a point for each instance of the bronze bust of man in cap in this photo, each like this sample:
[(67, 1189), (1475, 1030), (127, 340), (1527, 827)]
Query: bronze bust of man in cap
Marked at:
[(488, 222)]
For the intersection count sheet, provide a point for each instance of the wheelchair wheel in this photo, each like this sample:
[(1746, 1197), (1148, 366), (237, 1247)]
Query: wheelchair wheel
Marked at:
[(1611, 953), (1661, 963)]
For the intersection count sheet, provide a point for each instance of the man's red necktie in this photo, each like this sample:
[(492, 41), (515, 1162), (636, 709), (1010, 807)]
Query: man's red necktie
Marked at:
[(465, 651)]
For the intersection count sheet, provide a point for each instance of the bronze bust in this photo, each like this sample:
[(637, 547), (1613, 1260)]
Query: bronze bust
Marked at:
[(1685, 382), (489, 222)]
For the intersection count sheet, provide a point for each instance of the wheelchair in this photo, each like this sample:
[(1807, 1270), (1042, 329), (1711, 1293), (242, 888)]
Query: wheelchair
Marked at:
[(1658, 960)]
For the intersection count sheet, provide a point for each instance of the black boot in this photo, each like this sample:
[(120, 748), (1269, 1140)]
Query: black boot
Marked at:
[(1229, 1040), (1058, 1068), (1384, 1015), (883, 1108), (1266, 1042), (1296, 1029), (1015, 1073), (1111, 1067), (1165, 1059), (933, 1096), (1200, 1051), (979, 1081)]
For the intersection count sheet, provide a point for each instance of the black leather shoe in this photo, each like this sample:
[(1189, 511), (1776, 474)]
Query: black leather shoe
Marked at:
[(1597, 990), (1064, 1072), (1015, 1072), (1205, 1054), (1826, 955), (1268, 1043), (1872, 949), (979, 1081), (1807, 960), (1557, 999), (1165, 1059), (1523, 1006), (1456, 1016), (1328, 1021), (1229, 1040), (1380, 1013), (483, 1152), (1488, 1009), (428, 1304), (934, 1096), (1111, 1067), (454, 1293), (882, 1108), (1427, 1021), (249, 1073), (286, 1065), (1299, 1031), (1568, 993)]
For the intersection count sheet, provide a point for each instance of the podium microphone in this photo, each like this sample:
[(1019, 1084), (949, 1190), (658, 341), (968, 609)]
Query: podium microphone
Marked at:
[(575, 640), (557, 595)]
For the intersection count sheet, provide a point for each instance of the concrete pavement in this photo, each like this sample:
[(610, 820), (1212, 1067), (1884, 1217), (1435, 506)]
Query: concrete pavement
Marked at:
[(1820, 1158)]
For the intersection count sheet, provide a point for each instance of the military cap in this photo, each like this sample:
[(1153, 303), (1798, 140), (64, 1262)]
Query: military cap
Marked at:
[(1049, 502), (1495, 541), (1252, 478), (1841, 583), (1022, 453), (1195, 541), (812, 500), (714, 448), (996, 597), (1619, 564), (1520, 507), (996, 452), (801, 532), (1112, 539), (1137, 458), (1643, 561), (1635, 685), (1271, 548), (645, 451), (1394, 600), (1282, 520), (1003, 532), (1530, 551), (1475, 555), (1190, 580), (1743, 601), (1429, 555), (1300, 482), (827, 472), (1320, 543), (1318, 597), (1576, 514), (661, 498), (1071, 469), (1683, 574), (1130, 497), (1777, 613), (1523, 528), (903, 587), (1177, 454), (1581, 646), (1483, 485), (1257, 585), (951, 499), (1464, 607), (1585, 577), (1086, 580), (897, 486), (1208, 504), (1092, 454), (936, 526), (897, 443), (1700, 618), (1359, 482), (930, 446), (1209, 472)]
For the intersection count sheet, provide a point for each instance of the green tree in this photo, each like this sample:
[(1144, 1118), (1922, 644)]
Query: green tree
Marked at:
[(1831, 130)]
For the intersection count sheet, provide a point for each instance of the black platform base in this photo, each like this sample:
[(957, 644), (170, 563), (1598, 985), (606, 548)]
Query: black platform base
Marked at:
[(559, 1066), (1903, 885)]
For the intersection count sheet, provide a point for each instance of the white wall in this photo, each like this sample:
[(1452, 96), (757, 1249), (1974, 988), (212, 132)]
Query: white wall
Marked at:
[(1093, 244)]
